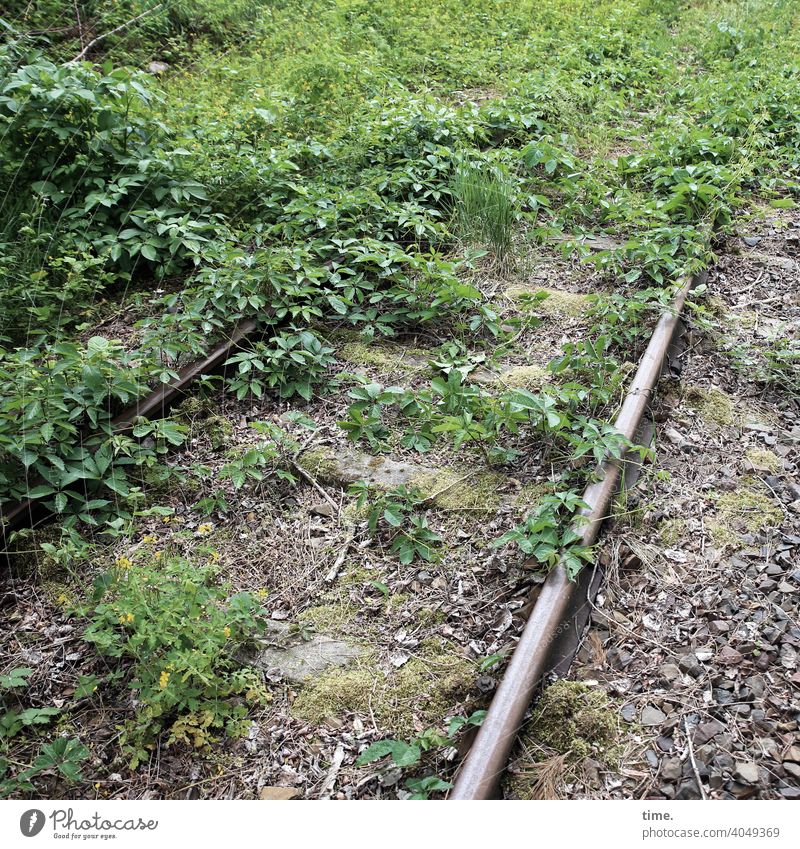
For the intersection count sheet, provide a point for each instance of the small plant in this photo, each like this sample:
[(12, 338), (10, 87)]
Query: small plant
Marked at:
[(394, 512), (409, 754), (548, 536), (178, 632), (63, 754), (291, 363)]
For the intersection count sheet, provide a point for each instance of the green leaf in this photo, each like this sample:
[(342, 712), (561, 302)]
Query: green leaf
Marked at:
[(17, 677)]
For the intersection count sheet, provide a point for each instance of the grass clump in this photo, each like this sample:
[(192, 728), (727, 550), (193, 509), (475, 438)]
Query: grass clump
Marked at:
[(484, 208)]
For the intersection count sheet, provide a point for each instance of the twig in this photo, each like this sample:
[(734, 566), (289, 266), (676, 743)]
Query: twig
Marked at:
[(315, 483), (695, 770), (334, 570), (105, 35), (80, 25), (333, 772)]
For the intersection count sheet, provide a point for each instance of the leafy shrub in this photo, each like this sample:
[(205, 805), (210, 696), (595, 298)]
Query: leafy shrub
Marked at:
[(291, 363), (395, 512), (178, 631), (50, 395)]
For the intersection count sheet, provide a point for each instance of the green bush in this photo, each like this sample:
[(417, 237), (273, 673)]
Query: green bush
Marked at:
[(178, 632)]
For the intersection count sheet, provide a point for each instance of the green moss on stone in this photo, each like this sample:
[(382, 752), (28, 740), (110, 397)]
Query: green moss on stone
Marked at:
[(557, 303), (385, 358), (331, 618), (320, 463), (422, 692), (576, 720), (746, 510), (523, 377), (453, 489)]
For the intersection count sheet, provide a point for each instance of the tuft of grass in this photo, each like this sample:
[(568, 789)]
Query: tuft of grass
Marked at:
[(484, 207)]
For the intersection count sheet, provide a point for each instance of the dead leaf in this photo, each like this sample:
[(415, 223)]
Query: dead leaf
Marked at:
[(277, 793)]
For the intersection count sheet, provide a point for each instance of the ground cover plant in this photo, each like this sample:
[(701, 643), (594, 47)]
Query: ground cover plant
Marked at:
[(358, 178)]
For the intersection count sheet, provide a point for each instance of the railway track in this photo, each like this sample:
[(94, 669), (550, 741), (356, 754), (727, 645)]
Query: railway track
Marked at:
[(561, 611), (551, 635)]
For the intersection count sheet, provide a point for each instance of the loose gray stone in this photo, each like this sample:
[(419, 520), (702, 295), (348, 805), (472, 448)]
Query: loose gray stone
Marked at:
[(669, 671), (691, 665), (652, 716), (298, 660), (671, 769), (746, 772), (707, 731)]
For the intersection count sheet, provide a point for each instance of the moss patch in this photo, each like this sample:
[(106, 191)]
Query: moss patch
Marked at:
[(386, 358), (712, 405), (330, 618), (575, 720), (671, 530), (531, 493), (523, 377), (321, 464), (763, 458), (556, 302), (747, 510), (716, 407), (419, 694), (219, 431), (453, 489)]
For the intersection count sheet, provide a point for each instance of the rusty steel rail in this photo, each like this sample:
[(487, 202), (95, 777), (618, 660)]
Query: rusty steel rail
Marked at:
[(553, 613), (156, 404)]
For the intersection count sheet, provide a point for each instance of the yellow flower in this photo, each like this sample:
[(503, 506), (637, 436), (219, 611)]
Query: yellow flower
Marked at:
[(164, 679), (148, 538), (62, 599), (125, 618), (158, 554), (205, 529), (262, 593), (214, 556), (227, 631), (124, 563)]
